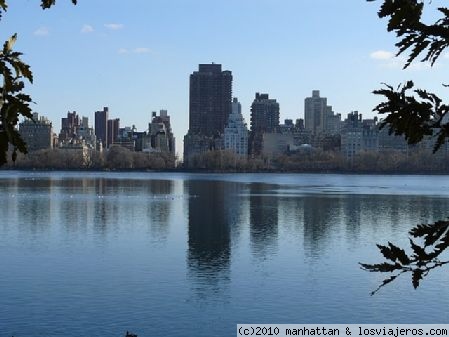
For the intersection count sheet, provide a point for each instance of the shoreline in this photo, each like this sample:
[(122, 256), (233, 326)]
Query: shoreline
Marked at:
[(207, 171)]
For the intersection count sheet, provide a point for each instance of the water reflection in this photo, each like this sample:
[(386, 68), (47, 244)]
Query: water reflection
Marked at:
[(428, 242), (135, 203), (320, 219), (261, 251), (78, 204), (160, 209), (212, 210), (31, 211), (264, 209), (218, 212)]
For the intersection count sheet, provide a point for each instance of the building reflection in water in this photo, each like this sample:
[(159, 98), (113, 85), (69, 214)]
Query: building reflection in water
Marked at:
[(264, 209), (214, 213), (160, 208), (321, 217), (8, 202), (218, 213), (78, 205), (34, 204), (132, 202)]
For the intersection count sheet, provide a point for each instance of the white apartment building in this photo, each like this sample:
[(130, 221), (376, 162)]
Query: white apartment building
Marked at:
[(236, 132)]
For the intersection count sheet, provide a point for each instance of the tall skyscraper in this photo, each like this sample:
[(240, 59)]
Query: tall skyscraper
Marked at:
[(209, 109), (210, 99), (101, 125), (319, 117), (315, 112), (69, 126), (264, 114), (113, 126), (264, 118), (160, 132)]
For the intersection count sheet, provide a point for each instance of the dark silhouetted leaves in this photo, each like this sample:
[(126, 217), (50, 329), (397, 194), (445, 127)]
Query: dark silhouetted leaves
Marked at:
[(3, 7), (442, 245), (430, 233), (411, 116), (381, 267), (13, 102), (419, 253), (405, 19), (393, 253), (416, 277), (44, 4), (423, 258), (48, 3), (384, 283), (421, 113)]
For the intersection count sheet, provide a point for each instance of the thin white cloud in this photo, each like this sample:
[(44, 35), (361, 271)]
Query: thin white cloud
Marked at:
[(422, 65), (87, 29), (139, 50), (114, 26), (41, 31), (399, 63), (382, 55), (142, 50), (394, 63), (388, 60)]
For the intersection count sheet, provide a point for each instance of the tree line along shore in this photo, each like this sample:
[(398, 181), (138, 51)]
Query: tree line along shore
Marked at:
[(319, 161)]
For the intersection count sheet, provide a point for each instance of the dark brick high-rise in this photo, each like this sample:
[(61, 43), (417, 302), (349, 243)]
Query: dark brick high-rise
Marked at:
[(101, 125), (264, 118), (113, 126), (210, 100)]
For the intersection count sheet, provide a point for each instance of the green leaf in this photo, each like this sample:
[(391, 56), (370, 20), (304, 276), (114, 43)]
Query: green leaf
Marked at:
[(9, 44), (3, 7), (15, 102), (23, 69)]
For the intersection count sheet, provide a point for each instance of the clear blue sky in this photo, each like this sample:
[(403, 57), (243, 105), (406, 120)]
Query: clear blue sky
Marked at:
[(135, 56)]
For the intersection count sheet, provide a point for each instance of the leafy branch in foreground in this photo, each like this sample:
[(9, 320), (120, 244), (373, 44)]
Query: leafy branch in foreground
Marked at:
[(408, 116), (13, 101), (425, 255), (48, 3), (405, 19), (44, 4), (414, 117)]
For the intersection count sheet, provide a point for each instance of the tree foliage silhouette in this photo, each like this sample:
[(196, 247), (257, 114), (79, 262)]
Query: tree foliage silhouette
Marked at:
[(425, 256), (415, 114), (13, 101)]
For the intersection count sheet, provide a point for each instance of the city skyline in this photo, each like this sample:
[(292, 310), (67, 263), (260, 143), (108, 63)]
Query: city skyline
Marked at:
[(114, 59)]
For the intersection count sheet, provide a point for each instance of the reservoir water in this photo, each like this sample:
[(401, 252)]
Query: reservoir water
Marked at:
[(192, 255)]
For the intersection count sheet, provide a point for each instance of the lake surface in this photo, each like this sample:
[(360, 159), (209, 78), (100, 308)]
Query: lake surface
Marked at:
[(96, 254)]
